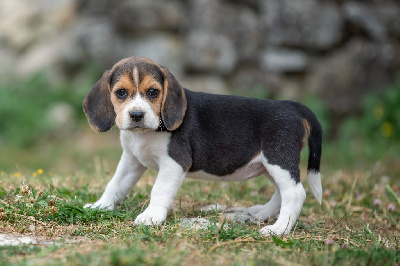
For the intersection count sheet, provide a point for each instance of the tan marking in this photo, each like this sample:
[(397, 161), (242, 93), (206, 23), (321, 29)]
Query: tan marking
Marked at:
[(307, 129), (147, 83), (124, 82)]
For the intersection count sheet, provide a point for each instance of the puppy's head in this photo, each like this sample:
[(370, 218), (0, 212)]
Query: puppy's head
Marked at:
[(134, 95)]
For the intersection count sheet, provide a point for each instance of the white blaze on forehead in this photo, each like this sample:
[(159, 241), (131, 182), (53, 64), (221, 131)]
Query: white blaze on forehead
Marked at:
[(135, 74)]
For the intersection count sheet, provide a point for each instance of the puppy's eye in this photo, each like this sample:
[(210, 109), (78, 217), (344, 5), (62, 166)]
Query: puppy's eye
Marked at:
[(152, 93), (121, 93)]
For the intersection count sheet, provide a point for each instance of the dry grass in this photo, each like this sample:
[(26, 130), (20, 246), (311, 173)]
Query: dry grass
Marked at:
[(358, 222)]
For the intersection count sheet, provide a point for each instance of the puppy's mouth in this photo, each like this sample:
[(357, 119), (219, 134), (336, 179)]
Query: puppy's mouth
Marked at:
[(136, 127)]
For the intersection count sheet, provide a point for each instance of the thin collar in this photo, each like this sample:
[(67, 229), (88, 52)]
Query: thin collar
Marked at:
[(162, 127)]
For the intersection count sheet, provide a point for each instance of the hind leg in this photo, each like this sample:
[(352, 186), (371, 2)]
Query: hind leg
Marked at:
[(292, 196), (269, 210)]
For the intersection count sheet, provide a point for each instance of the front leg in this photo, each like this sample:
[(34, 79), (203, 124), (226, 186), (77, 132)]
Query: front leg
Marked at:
[(168, 182), (128, 173)]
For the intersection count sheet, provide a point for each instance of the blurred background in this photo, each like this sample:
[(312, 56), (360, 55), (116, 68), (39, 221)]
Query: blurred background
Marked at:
[(341, 58)]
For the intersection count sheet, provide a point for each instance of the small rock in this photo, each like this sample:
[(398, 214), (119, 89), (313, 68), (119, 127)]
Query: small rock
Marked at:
[(365, 16), (284, 60), (210, 52), (213, 208), (238, 23), (165, 49), (22, 24), (302, 23), (145, 16), (194, 223), (351, 71), (10, 240), (203, 83)]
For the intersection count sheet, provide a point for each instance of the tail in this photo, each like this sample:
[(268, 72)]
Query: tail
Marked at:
[(315, 152)]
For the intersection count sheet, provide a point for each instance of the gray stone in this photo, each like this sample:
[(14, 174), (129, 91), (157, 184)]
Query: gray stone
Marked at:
[(237, 23), (389, 13), (22, 23), (204, 83), (255, 82), (241, 26), (209, 52), (302, 23), (195, 223), (284, 60), (365, 16), (145, 15), (258, 83), (88, 39), (44, 57), (360, 67), (202, 15), (11, 240), (165, 49), (213, 208), (96, 38)]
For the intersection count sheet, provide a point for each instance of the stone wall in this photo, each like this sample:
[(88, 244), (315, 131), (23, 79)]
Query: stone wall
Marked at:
[(338, 50)]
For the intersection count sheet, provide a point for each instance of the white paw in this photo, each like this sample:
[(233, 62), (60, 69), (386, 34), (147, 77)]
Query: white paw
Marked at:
[(272, 230), (153, 215), (101, 205)]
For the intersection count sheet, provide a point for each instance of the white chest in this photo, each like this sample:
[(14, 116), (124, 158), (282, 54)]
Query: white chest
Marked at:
[(149, 147)]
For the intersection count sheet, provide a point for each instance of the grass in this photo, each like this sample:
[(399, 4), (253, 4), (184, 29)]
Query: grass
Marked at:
[(357, 223)]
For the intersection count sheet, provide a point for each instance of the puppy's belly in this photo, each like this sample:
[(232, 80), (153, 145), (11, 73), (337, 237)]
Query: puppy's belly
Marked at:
[(252, 169)]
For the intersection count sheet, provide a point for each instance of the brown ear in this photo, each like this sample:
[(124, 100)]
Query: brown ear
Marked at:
[(98, 107), (173, 106)]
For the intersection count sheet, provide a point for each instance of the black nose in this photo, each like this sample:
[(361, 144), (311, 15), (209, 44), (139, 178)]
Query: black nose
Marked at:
[(136, 116)]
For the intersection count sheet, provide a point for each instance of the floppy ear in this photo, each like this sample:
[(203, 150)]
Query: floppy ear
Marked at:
[(173, 106), (98, 107)]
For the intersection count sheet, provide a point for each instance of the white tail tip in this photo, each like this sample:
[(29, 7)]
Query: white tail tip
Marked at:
[(314, 182)]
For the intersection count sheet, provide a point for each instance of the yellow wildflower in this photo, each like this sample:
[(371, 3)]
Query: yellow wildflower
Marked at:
[(34, 174), (16, 174), (387, 129), (40, 171)]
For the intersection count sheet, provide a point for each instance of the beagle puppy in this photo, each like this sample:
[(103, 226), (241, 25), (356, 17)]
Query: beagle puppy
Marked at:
[(180, 133)]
